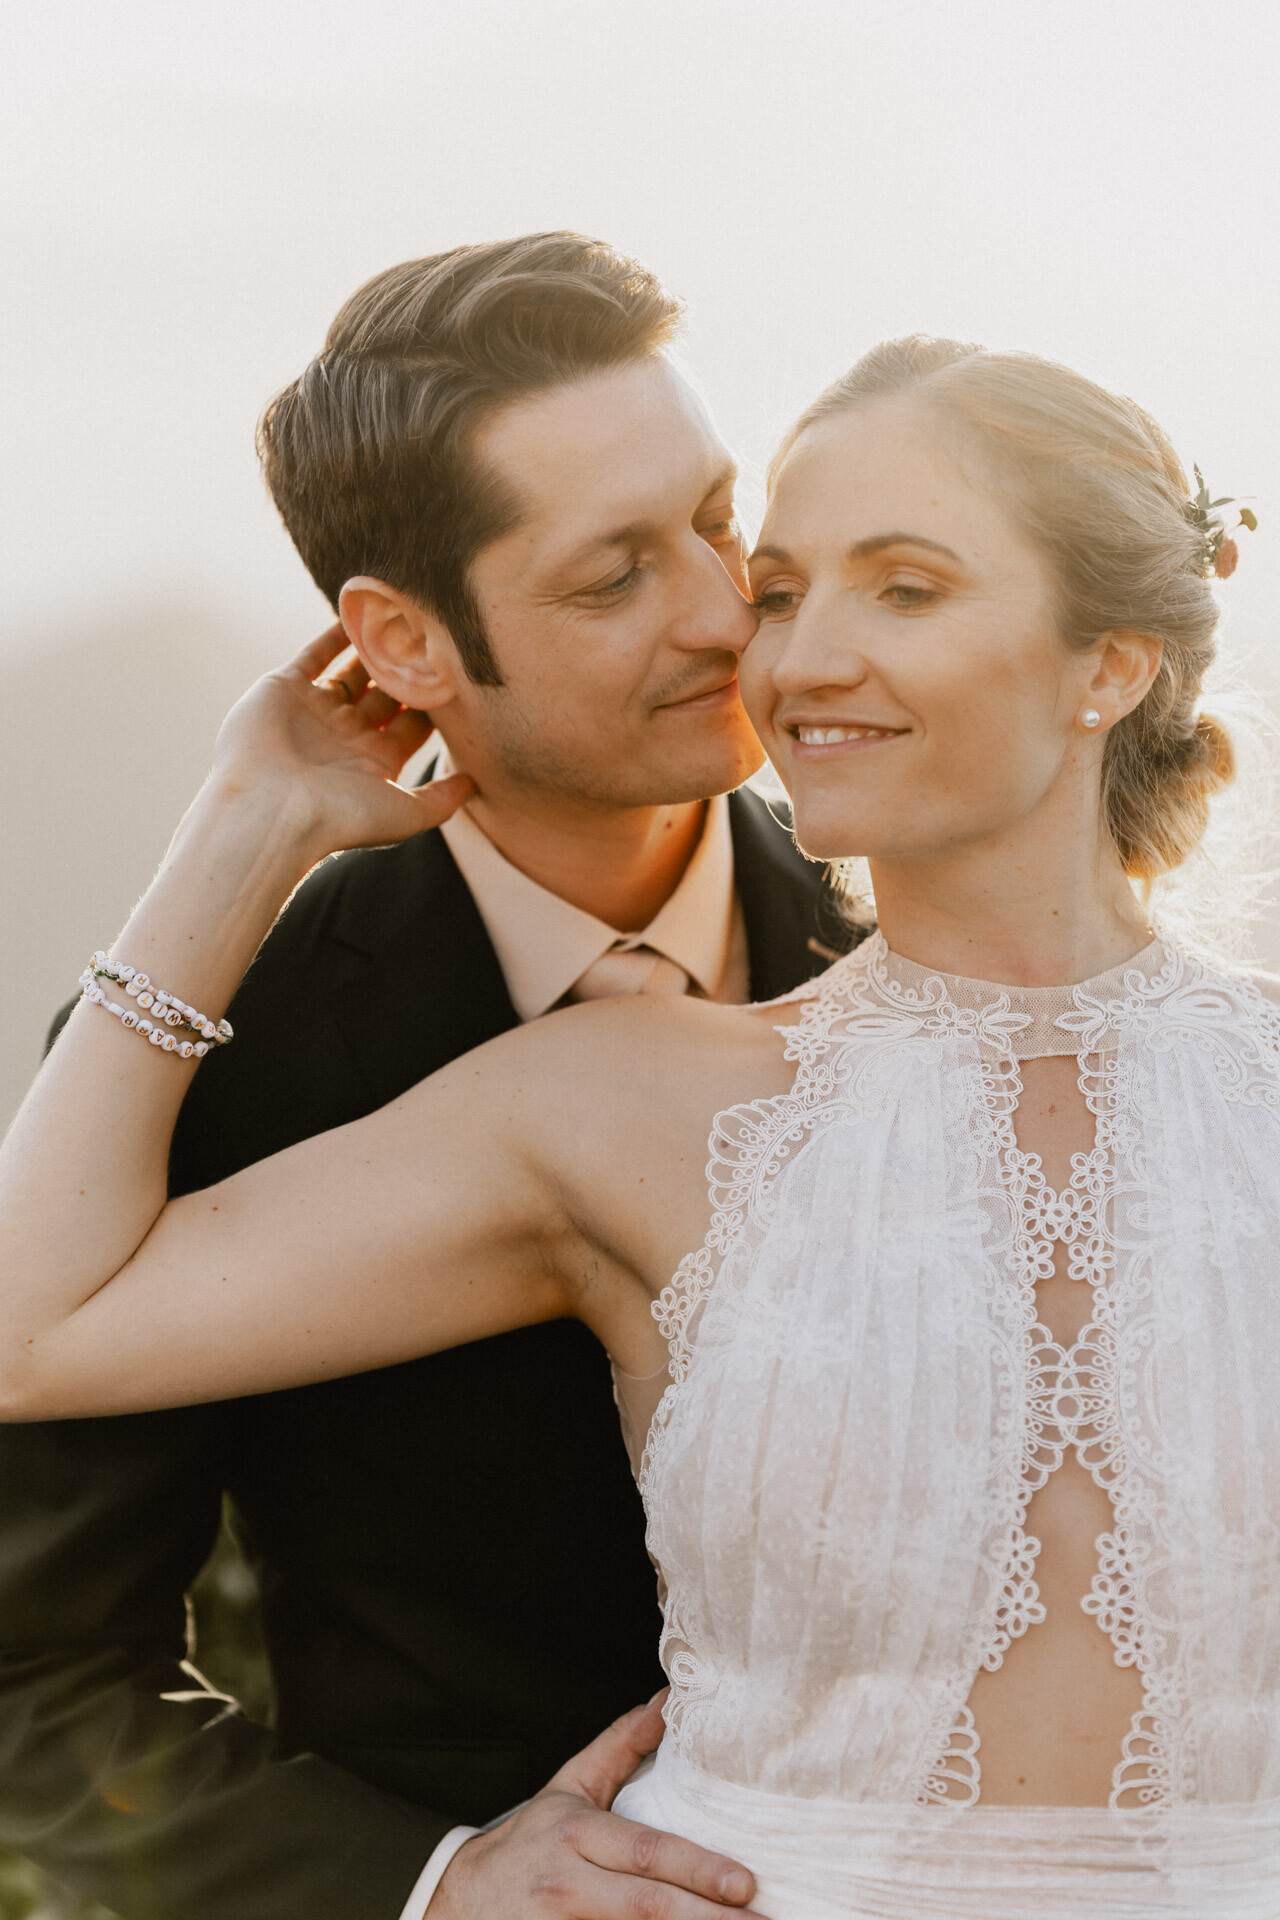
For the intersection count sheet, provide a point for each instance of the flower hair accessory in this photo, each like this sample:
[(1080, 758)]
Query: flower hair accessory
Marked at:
[(1219, 554)]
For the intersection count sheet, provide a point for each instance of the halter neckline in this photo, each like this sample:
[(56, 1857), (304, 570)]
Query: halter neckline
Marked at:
[(1035, 1015)]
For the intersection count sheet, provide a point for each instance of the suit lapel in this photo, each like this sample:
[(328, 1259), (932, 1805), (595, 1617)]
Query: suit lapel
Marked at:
[(417, 981)]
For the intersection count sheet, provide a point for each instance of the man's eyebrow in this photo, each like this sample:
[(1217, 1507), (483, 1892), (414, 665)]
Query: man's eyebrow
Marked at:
[(637, 529), (602, 542), (876, 543), (729, 478)]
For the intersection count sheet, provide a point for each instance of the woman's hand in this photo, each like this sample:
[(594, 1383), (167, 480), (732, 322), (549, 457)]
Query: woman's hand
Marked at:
[(327, 746)]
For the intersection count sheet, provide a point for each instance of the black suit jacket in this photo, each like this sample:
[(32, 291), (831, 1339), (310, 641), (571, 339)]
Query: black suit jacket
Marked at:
[(456, 1594)]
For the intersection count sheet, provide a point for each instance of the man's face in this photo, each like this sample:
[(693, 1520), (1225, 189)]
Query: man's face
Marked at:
[(616, 609)]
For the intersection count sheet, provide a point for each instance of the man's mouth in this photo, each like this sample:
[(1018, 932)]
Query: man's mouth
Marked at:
[(723, 694)]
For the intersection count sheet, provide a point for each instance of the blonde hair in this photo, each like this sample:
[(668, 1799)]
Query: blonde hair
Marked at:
[(1096, 483)]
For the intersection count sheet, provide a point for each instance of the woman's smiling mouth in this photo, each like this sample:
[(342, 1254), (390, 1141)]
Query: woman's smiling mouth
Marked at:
[(813, 737)]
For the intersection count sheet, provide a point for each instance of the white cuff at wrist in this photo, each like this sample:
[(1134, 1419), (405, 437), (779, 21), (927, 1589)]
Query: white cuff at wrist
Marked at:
[(433, 1873)]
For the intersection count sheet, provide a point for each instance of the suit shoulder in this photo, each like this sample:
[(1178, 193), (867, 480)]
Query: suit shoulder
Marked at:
[(351, 894)]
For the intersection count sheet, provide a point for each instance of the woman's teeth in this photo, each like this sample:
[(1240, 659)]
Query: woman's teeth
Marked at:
[(832, 736)]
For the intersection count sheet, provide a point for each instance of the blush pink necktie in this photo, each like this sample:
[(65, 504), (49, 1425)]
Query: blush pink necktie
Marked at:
[(629, 970)]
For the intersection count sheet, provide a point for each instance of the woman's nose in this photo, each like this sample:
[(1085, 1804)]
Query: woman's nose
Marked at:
[(819, 651)]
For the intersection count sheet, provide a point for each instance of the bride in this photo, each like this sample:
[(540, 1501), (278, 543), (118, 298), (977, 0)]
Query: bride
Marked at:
[(964, 1488)]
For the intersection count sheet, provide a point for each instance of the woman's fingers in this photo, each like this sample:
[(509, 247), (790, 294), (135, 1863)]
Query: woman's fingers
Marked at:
[(319, 653), (376, 707), (409, 731), (439, 798), (349, 676), (351, 764), (330, 660)]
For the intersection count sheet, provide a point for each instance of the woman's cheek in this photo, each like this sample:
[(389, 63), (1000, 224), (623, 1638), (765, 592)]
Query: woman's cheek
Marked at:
[(756, 685)]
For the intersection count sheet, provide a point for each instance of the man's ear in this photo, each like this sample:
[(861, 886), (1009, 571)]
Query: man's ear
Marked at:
[(406, 649), (1125, 664)]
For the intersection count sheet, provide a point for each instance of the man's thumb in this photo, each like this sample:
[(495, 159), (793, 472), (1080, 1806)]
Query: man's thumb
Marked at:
[(601, 1769)]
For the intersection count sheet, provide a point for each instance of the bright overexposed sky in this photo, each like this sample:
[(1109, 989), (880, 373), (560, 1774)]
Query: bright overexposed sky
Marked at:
[(188, 192)]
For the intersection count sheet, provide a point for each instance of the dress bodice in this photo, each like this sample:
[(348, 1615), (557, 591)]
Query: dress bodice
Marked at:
[(864, 1400)]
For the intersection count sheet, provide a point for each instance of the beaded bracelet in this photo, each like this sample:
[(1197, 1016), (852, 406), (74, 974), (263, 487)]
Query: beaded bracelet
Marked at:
[(168, 1009)]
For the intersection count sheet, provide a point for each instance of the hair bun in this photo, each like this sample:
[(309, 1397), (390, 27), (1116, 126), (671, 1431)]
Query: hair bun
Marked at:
[(1216, 755)]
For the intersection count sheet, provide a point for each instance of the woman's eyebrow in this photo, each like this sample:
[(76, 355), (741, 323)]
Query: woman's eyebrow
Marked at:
[(875, 543)]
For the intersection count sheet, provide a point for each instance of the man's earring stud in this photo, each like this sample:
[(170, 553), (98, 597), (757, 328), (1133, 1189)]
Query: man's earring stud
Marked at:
[(1091, 718)]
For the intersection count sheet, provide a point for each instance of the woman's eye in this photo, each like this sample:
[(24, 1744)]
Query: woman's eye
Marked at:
[(903, 594), (776, 602), (720, 530)]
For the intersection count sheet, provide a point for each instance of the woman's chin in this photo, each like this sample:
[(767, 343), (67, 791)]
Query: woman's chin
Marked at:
[(827, 839), (886, 832)]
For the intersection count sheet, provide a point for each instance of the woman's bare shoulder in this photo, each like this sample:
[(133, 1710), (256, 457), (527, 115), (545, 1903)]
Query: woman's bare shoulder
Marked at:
[(662, 1033), (622, 1055)]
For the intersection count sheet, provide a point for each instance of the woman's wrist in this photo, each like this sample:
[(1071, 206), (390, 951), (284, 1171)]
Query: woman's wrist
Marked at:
[(255, 826), (236, 858)]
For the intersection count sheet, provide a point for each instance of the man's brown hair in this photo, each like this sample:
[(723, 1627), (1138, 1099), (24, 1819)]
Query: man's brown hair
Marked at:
[(369, 453)]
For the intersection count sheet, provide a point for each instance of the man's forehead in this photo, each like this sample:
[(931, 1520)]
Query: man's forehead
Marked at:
[(629, 446)]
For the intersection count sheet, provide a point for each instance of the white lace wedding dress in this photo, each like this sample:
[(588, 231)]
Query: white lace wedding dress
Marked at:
[(864, 1403)]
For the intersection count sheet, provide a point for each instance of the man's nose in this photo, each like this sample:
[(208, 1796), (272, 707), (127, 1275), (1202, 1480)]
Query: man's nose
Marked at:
[(718, 616)]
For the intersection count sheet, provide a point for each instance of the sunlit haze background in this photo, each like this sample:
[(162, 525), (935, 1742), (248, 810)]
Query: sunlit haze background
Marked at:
[(190, 191)]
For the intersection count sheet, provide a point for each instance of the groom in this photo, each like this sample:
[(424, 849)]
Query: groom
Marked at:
[(529, 518)]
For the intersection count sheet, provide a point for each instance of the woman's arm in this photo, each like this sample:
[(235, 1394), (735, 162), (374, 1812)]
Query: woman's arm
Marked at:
[(315, 1260)]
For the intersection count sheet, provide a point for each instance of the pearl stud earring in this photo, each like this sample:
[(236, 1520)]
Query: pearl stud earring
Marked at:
[(1090, 718)]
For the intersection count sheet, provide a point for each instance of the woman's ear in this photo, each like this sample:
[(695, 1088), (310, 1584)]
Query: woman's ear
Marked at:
[(406, 649), (1126, 663)]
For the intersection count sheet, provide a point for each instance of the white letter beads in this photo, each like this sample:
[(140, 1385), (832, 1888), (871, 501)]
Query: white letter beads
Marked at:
[(165, 1009)]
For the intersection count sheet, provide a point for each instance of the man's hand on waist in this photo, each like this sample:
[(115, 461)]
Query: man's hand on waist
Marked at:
[(564, 1856)]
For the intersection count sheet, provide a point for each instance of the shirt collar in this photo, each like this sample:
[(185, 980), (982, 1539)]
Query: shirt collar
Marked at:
[(544, 943)]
